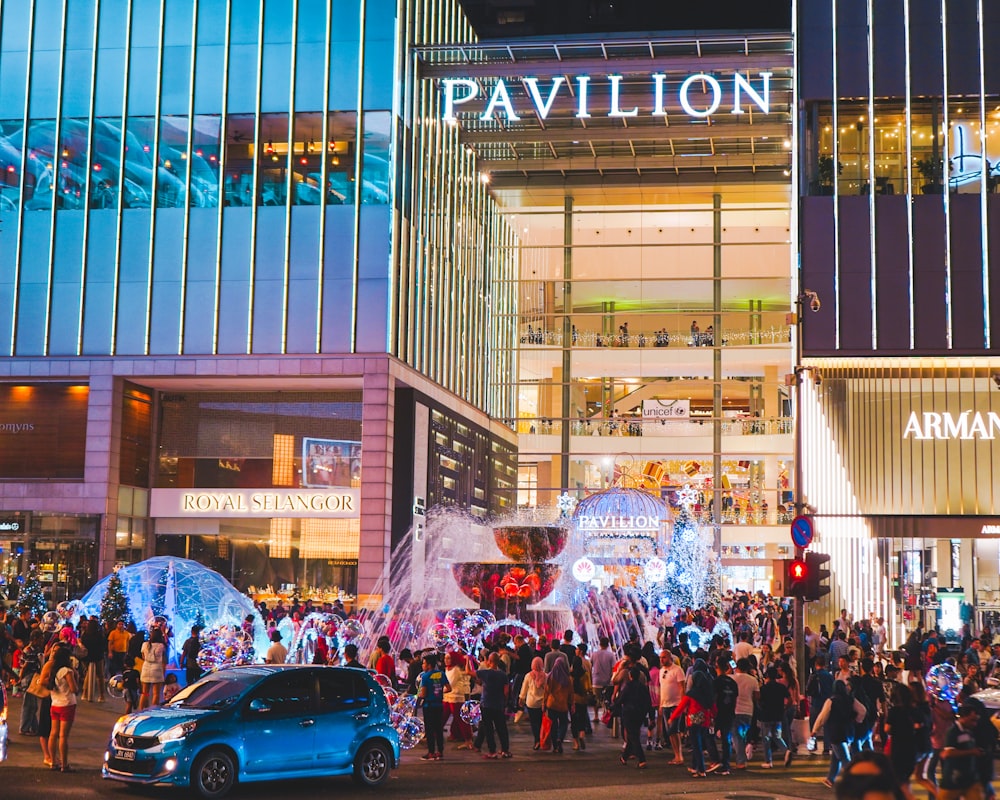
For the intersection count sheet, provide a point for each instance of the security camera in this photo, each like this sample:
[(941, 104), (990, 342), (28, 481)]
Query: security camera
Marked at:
[(817, 379)]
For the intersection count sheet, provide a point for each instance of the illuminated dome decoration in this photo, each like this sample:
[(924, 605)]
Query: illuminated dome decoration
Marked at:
[(621, 513), (186, 593)]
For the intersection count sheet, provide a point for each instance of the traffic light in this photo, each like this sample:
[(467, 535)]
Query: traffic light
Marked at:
[(796, 578), (817, 575)]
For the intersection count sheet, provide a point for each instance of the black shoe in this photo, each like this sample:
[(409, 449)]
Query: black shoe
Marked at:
[(788, 757)]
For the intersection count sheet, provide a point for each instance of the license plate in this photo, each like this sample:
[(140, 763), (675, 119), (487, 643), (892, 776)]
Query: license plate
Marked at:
[(125, 755)]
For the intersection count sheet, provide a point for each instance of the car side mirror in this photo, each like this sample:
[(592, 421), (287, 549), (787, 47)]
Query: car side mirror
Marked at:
[(258, 706)]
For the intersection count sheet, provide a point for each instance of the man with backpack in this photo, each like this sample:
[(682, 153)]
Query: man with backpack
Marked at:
[(726, 692)]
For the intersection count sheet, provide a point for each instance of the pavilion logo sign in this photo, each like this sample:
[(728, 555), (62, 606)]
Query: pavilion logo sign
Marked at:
[(946, 426), (700, 95)]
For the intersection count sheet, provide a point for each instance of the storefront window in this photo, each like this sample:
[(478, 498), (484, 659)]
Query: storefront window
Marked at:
[(64, 549)]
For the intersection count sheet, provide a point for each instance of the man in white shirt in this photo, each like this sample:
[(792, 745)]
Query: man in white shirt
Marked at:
[(749, 691), (602, 666), (277, 652), (743, 648), (672, 682)]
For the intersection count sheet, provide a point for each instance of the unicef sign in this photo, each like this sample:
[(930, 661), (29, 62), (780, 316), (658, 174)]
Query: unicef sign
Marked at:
[(699, 95)]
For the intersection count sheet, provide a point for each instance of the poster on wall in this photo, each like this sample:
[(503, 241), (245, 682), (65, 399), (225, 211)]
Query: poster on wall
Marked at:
[(330, 462), (43, 431)]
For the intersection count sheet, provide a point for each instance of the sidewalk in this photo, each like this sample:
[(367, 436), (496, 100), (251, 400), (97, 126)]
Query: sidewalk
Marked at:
[(88, 738)]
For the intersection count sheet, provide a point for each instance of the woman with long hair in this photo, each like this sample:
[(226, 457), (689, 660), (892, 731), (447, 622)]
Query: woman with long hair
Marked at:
[(633, 699), (579, 719), (840, 713), (97, 644), (558, 701), (900, 729), (532, 697), (458, 680), (63, 687), (154, 664), (786, 675)]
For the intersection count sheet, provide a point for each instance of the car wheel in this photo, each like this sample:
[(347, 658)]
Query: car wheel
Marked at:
[(372, 764), (213, 774)]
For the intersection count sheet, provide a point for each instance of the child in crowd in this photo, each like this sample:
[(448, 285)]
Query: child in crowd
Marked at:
[(170, 687), (130, 678)]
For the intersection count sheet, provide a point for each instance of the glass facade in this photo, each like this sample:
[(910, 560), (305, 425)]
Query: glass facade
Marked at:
[(230, 177)]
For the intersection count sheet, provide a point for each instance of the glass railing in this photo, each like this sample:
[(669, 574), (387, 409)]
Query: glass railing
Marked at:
[(698, 426), (731, 337)]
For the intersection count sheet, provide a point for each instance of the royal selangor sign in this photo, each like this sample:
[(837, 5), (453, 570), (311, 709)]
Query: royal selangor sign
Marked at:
[(945, 425), (699, 95), (295, 503)]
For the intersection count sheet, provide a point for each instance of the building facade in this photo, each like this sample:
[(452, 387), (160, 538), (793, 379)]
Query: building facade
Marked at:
[(899, 119), (236, 295)]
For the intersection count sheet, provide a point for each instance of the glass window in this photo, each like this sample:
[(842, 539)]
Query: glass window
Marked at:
[(239, 160), (204, 161), (286, 694), (14, 31), (172, 174), (307, 159), (375, 159), (274, 158), (73, 151), (342, 690), (340, 148), (105, 159), (138, 184), (40, 164), (11, 143), (211, 21)]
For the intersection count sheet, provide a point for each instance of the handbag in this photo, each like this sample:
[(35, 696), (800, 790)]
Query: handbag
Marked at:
[(546, 732), (37, 688)]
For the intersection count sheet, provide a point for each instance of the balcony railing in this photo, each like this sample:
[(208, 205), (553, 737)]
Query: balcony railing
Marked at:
[(731, 337), (698, 426)]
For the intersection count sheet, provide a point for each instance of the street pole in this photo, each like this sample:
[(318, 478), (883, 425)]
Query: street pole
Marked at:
[(799, 606)]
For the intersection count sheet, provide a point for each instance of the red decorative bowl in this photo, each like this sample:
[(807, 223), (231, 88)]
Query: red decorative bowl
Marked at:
[(531, 543), (499, 585)]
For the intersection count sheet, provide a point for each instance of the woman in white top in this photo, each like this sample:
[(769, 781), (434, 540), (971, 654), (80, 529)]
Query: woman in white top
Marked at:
[(154, 664), (461, 686), (64, 687), (533, 697)]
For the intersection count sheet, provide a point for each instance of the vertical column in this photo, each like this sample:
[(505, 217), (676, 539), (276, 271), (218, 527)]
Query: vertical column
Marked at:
[(567, 342), (717, 373), (377, 431), (102, 466)]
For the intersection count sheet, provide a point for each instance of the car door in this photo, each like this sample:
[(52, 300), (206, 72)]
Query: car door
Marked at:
[(343, 718), (279, 724)]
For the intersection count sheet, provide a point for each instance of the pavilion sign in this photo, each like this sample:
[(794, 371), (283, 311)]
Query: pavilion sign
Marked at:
[(699, 95)]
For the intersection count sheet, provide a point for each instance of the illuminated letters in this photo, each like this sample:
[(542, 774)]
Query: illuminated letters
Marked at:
[(499, 103), (945, 426)]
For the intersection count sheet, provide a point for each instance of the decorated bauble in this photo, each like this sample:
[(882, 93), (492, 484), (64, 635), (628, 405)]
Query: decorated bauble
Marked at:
[(471, 713), (160, 622), (350, 629), (454, 618), (65, 609), (383, 680), (116, 686), (405, 705), (944, 683), (697, 638), (225, 646), (50, 620), (411, 731), (391, 696), (723, 630)]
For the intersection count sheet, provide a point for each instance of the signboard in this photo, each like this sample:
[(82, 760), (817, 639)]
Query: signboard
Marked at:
[(584, 570), (666, 409), (802, 531), (655, 570), (43, 431), (699, 95), (264, 503)]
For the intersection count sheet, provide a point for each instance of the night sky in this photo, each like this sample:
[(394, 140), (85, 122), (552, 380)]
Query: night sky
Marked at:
[(560, 17)]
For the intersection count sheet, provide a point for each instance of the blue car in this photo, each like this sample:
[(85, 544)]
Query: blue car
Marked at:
[(259, 723)]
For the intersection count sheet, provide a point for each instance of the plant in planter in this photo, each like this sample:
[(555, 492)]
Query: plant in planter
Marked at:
[(931, 170), (824, 174)]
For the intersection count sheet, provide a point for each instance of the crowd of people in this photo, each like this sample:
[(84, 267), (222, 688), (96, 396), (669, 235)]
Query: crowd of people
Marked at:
[(878, 715)]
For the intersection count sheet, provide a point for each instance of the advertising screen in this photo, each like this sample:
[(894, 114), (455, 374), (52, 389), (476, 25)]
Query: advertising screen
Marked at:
[(43, 431), (329, 462)]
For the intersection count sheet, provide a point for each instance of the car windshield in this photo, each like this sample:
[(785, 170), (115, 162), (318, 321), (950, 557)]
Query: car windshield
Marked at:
[(214, 692)]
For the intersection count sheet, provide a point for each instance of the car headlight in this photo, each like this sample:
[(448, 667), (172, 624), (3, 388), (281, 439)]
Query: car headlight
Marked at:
[(178, 732), (119, 726)]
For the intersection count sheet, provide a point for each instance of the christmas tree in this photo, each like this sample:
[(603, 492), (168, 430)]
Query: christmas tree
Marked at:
[(689, 563), (114, 604), (31, 598)]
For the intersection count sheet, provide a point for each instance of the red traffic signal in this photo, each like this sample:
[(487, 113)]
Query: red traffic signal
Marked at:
[(796, 578)]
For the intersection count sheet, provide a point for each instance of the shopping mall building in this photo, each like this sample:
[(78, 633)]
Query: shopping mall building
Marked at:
[(275, 277)]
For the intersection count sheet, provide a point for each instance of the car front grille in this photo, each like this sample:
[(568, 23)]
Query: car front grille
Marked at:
[(135, 742)]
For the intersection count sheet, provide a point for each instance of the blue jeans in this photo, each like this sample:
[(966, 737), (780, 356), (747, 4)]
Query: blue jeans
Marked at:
[(697, 735), (740, 729), (770, 734), (724, 731), (840, 757)]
